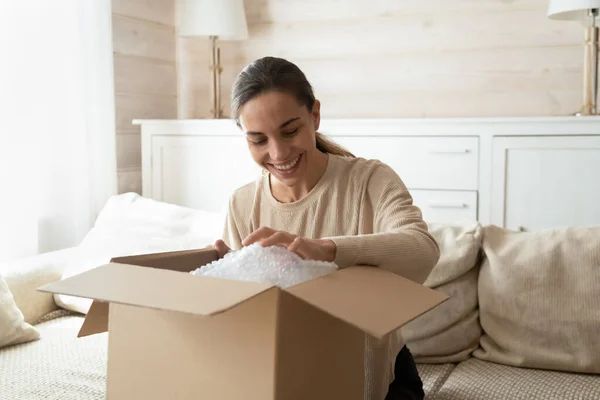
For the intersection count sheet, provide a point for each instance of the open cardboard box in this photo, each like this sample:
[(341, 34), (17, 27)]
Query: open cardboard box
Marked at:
[(173, 335)]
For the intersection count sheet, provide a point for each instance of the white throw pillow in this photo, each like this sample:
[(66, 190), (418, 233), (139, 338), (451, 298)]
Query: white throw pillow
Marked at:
[(130, 224), (13, 328)]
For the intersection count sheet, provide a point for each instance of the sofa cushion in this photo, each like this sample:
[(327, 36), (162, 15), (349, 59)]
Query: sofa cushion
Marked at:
[(450, 332), (434, 376), (130, 224), (58, 366), (13, 328), (476, 379), (539, 298)]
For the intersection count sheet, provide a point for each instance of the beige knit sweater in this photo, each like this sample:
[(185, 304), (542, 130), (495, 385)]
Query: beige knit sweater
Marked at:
[(365, 208)]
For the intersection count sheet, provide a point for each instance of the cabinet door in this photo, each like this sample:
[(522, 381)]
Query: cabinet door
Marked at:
[(545, 182)]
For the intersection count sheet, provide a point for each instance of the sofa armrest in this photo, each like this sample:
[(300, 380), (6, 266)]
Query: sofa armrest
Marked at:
[(25, 275)]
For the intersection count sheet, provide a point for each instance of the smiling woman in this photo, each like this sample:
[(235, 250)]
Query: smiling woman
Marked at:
[(280, 117), (321, 202), (286, 150)]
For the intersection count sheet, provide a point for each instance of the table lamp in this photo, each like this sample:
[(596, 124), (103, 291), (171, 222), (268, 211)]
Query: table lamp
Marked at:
[(583, 10), (217, 20)]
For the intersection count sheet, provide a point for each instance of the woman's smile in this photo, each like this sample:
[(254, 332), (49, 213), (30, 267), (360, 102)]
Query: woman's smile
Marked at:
[(288, 168)]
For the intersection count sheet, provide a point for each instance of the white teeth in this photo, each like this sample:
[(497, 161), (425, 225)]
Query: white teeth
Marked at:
[(287, 166)]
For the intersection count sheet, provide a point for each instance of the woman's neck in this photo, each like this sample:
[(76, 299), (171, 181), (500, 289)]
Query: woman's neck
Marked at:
[(286, 194)]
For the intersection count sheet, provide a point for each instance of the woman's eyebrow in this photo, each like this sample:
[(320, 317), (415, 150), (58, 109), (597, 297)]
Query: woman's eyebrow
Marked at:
[(286, 123), (289, 121)]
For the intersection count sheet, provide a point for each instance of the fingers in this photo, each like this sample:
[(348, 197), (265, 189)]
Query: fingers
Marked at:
[(278, 238), (296, 246), (257, 235), (221, 248), (314, 249)]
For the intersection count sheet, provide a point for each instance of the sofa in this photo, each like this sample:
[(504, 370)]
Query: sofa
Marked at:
[(522, 320)]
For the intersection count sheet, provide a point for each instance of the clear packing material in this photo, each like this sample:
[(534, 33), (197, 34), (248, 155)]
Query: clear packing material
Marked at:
[(275, 265)]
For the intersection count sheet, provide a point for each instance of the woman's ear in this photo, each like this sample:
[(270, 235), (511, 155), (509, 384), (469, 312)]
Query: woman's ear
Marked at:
[(316, 114)]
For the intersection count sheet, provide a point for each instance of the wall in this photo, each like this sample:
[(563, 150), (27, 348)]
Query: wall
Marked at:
[(406, 58), (145, 76)]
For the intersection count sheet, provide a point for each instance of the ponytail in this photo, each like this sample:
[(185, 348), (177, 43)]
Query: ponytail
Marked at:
[(326, 145)]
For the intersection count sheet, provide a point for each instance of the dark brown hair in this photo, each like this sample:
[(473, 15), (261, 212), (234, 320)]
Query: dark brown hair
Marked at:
[(277, 74)]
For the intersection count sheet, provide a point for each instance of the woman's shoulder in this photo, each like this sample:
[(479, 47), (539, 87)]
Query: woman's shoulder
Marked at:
[(244, 196), (365, 174), (364, 167)]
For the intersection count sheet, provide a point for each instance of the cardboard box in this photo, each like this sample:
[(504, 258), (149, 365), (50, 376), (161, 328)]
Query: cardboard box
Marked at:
[(173, 335)]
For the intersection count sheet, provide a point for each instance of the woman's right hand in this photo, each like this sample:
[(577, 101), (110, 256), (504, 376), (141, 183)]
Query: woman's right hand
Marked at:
[(221, 248)]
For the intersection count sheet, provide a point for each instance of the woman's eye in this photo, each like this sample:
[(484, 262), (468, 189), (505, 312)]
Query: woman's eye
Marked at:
[(291, 133), (259, 142)]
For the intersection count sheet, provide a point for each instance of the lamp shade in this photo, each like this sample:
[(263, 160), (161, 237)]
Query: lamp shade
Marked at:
[(571, 9), (223, 18)]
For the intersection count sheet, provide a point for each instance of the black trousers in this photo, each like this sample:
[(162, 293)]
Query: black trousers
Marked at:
[(407, 384)]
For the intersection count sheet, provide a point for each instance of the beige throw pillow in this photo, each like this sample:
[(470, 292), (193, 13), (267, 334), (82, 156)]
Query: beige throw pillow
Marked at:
[(539, 299), (13, 328), (26, 275), (450, 332)]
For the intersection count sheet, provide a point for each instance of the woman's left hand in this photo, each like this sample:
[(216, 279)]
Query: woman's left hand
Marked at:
[(308, 249)]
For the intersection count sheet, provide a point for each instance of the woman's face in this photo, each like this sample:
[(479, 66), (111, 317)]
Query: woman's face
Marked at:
[(281, 135)]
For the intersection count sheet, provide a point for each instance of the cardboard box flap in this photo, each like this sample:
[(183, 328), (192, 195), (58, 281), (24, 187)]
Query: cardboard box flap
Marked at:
[(181, 260), (157, 288), (372, 299), (96, 320)]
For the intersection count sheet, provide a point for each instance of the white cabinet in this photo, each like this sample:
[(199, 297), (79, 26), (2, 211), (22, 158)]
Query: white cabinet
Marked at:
[(199, 171), (441, 172), (445, 206), (529, 173), (435, 162), (545, 182)]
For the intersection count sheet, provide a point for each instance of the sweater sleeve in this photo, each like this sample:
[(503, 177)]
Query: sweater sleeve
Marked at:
[(231, 234), (401, 241)]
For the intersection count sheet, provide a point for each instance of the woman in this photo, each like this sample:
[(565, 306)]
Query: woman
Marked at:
[(323, 203)]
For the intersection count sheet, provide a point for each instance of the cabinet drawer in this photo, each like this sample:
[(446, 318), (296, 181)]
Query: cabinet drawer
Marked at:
[(446, 206), (422, 162)]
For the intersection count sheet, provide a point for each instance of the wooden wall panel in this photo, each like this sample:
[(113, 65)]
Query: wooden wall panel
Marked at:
[(133, 106), (145, 39), (145, 76), (129, 153), (130, 180), (404, 58), (329, 10), (408, 34), (145, 68), (161, 12)]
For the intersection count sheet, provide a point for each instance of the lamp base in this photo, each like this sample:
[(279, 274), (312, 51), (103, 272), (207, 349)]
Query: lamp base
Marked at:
[(590, 68), (581, 114), (216, 69)]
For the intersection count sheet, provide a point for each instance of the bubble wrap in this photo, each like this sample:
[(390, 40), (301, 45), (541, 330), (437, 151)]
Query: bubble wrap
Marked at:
[(275, 265)]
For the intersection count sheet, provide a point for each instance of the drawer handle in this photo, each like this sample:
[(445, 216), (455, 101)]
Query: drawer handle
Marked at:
[(449, 151), (448, 205)]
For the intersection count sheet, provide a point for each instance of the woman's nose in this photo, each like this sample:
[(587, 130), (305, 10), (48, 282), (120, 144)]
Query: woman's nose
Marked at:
[(278, 151)]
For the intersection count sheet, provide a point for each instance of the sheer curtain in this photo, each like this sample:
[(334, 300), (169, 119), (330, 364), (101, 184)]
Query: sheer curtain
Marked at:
[(57, 124)]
